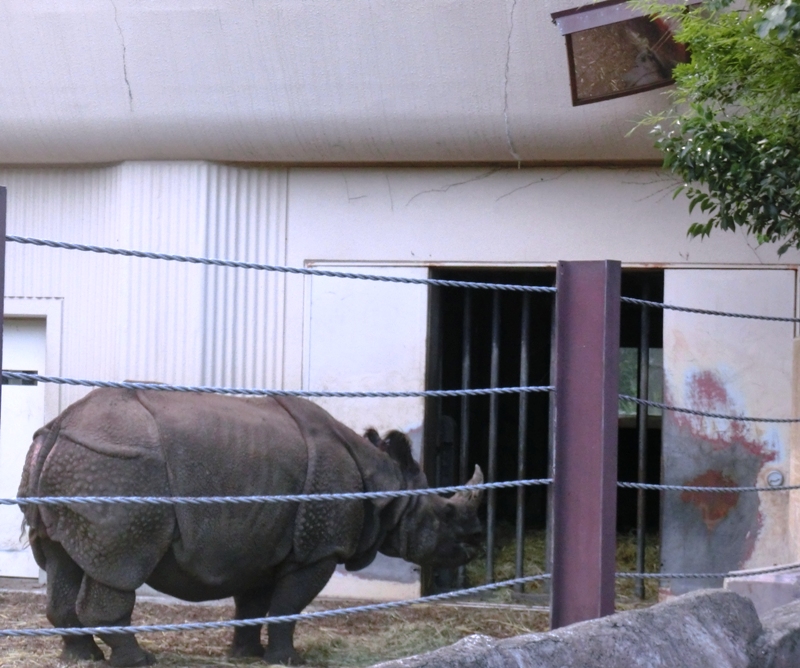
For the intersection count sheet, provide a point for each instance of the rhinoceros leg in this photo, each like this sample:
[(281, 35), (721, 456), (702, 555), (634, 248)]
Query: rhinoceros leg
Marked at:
[(293, 592), (64, 578), (250, 604), (101, 605)]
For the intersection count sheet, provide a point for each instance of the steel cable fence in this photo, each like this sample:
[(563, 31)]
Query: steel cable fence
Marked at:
[(353, 394)]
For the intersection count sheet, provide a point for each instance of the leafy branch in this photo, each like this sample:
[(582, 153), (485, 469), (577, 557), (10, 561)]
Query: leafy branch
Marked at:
[(733, 134)]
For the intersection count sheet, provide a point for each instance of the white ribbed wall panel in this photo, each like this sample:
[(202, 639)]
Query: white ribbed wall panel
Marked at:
[(162, 208), (244, 309), (127, 318)]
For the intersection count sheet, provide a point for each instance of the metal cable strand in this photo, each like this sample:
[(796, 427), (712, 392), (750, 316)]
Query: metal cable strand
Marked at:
[(199, 626), (210, 500), (271, 267), (686, 309), (693, 488), (204, 389), (676, 409), (708, 576)]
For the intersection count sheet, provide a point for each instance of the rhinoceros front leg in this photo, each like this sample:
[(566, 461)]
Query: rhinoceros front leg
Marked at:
[(293, 592), (64, 579), (249, 605), (101, 605)]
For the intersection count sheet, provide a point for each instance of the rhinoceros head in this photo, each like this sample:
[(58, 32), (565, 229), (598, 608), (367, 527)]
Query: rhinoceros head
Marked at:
[(431, 530)]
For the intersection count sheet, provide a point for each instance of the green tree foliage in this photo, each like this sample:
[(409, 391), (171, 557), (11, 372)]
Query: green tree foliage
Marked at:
[(733, 136)]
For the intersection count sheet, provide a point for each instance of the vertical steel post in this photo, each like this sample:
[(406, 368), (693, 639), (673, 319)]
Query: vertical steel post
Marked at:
[(494, 381), (522, 437), (3, 202), (466, 372), (586, 421), (641, 424)]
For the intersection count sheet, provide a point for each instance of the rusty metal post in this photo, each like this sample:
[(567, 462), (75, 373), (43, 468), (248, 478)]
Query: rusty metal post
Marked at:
[(586, 419)]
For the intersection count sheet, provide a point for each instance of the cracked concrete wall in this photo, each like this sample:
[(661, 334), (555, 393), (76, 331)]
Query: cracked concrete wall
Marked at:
[(282, 81)]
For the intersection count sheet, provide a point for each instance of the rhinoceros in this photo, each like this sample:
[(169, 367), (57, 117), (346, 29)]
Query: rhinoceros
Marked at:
[(272, 558)]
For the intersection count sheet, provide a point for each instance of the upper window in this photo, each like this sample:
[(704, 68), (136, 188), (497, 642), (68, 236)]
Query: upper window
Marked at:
[(616, 50)]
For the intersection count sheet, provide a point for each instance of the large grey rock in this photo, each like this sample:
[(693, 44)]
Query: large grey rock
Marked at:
[(779, 646), (704, 629)]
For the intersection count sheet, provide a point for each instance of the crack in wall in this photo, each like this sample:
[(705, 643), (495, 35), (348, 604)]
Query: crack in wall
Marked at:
[(444, 189), (509, 140), (124, 57), (535, 182)]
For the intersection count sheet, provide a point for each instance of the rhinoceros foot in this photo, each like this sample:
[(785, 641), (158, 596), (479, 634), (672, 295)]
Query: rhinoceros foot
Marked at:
[(246, 651), (286, 656), (80, 648), (120, 658)]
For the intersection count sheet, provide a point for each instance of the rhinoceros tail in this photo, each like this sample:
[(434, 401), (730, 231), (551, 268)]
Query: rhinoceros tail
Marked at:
[(43, 441)]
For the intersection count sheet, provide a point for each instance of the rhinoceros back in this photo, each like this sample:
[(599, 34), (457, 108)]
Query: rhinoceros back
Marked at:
[(120, 442), (223, 446)]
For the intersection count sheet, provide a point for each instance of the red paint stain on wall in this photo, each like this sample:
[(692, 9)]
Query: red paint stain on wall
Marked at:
[(714, 506), (707, 392)]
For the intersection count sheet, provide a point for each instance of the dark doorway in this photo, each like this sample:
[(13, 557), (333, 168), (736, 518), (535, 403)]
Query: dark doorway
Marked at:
[(457, 430)]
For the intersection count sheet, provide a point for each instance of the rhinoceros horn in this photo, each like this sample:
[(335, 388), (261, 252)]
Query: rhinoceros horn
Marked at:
[(472, 497)]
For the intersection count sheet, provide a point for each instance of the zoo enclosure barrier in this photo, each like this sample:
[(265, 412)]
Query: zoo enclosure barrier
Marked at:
[(584, 481)]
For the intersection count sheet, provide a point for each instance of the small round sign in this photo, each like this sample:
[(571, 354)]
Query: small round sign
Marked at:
[(774, 478)]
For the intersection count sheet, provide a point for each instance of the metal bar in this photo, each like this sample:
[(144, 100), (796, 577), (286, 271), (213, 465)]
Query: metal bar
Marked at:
[(494, 381), (641, 425), (586, 417), (3, 203), (522, 436), (466, 372)]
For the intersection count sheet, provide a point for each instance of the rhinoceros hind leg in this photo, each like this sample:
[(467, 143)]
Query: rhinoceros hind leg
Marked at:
[(64, 579), (247, 640), (101, 605), (293, 592)]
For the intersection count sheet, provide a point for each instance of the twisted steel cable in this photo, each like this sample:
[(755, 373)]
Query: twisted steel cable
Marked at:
[(285, 498), (198, 626), (702, 311), (205, 389), (305, 271), (690, 411)]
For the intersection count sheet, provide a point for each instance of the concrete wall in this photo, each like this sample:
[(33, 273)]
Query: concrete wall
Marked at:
[(732, 367)]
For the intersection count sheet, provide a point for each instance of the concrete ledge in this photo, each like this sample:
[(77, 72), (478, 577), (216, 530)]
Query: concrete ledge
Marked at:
[(767, 591)]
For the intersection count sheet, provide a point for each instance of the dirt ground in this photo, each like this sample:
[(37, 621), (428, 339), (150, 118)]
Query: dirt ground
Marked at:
[(349, 640)]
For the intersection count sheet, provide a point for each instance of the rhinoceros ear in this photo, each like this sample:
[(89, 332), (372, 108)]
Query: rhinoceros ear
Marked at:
[(472, 496), (373, 437), (398, 447)]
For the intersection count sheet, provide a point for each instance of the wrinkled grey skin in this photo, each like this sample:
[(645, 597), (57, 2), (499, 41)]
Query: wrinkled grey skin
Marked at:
[(272, 558)]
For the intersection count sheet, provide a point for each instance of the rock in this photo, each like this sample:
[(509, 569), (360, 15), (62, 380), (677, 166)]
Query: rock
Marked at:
[(779, 646), (705, 628)]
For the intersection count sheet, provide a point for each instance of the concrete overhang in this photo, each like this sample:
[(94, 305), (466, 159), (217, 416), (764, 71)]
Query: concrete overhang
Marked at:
[(300, 81)]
